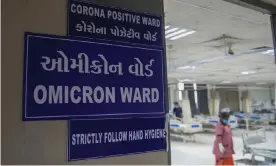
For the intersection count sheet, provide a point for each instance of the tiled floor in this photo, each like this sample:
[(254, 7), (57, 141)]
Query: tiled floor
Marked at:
[(200, 153)]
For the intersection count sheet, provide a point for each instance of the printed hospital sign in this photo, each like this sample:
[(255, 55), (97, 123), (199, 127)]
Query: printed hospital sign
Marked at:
[(68, 78), (93, 21), (115, 137)]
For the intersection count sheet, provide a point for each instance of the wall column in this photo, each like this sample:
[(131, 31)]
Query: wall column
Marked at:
[(45, 142), (173, 95), (185, 104), (210, 101), (246, 100), (273, 29), (240, 98), (274, 95), (216, 103)]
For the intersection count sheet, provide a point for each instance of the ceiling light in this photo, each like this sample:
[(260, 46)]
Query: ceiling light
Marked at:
[(212, 59), (171, 30), (248, 72), (260, 83), (175, 33), (268, 52), (167, 26), (186, 80), (182, 35), (186, 67), (226, 82)]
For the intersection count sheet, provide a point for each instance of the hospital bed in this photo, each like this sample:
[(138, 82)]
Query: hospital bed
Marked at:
[(267, 114), (209, 123), (184, 131), (255, 143), (253, 121), (250, 116)]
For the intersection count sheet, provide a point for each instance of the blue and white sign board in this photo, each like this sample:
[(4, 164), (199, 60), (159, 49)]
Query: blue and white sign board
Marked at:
[(115, 137), (68, 78), (93, 21)]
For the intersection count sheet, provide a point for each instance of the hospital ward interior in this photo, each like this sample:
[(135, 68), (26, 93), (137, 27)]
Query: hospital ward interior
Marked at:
[(148, 82), (223, 60)]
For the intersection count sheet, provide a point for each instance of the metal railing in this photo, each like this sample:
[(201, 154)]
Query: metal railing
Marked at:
[(254, 137)]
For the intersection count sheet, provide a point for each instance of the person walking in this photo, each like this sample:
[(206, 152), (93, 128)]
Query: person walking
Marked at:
[(223, 146)]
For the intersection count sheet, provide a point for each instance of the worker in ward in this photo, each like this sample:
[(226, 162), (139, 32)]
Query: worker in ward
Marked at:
[(223, 146), (177, 110)]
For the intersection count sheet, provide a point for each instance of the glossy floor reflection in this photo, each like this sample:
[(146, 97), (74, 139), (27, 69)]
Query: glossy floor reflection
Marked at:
[(200, 153)]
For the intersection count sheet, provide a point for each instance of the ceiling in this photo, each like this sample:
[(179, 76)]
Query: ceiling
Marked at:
[(205, 61), (272, 2)]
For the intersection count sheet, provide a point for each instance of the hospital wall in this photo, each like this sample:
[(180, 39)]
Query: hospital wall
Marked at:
[(45, 142), (229, 98), (262, 97)]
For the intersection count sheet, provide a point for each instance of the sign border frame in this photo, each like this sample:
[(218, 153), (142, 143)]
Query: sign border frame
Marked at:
[(77, 39), (100, 157), (136, 43)]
